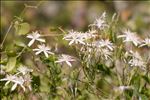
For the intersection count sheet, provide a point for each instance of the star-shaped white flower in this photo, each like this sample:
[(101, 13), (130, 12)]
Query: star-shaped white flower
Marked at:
[(16, 80), (74, 37), (106, 54), (145, 42), (24, 70), (137, 60), (104, 43), (42, 48), (65, 58), (100, 22), (34, 36), (130, 37)]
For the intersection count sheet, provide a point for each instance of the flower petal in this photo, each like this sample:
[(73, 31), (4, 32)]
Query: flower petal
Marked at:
[(13, 87), (31, 42)]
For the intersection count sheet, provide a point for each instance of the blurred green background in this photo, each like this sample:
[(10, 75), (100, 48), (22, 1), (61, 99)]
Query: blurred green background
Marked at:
[(74, 14)]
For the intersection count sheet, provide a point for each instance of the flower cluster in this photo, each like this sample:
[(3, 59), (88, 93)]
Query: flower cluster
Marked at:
[(100, 23), (102, 54), (21, 78), (74, 37), (96, 46), (41, 48), (92, 43)]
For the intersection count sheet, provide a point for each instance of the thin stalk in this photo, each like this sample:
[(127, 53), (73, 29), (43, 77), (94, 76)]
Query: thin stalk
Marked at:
[(21, 52), (62, 30), (6, 35)]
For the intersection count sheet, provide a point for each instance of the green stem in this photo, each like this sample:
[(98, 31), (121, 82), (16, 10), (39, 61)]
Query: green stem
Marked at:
[(21, 52), (6, 35)]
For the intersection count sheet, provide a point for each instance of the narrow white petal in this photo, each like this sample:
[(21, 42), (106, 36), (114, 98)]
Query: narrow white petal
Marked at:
[(50, 52), (142, 45), (69, 63), (71, 42), (14, 86), (120, 36), (58, 61), (135, 43), (36, 49), (38, 52), (45, 53), (110, 48), (81, 42), (31, 42), (30, 88), (41, 40), (4, 79), (7, 83), (29, 36), (23, 87)]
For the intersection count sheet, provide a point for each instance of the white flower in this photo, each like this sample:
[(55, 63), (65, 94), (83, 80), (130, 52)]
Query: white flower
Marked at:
[(16, 80), (34, 36), (27, 79), (79, 37), (106, 54), (137, 60), (75, 37), (92, 31), (104, 43), (42, 48), (65, 58), (90, 34), (24, 70), (145, 42), (122, 88), (100, 22), (130, 37)]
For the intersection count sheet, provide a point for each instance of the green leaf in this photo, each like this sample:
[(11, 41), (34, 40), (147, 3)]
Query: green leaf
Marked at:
[(19, 43), (22, 29), (35, 83), (52, 29), (11, 64), (144, 97)]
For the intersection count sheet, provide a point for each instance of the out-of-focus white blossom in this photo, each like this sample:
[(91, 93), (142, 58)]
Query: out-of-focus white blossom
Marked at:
[(34, 36), (65, 58), (42, 48), (104, 43), (137, 60), (74, 37), (27, 79), (106, 53), (24, 70), (100, 22), (122, 88), (77, 37), (145, 42), (92, 31), (14, 79), (130, 37)]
